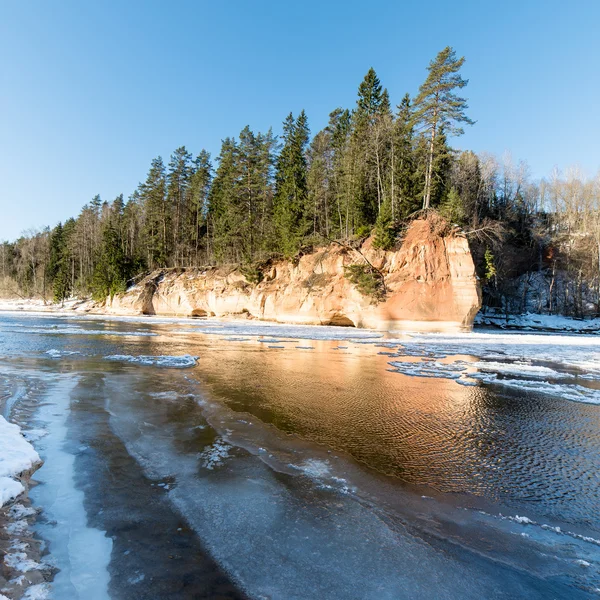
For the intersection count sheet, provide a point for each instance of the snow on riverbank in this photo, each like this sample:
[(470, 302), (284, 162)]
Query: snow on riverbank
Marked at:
[(81, 307), (16, 456), (532, 322), (39, 305)]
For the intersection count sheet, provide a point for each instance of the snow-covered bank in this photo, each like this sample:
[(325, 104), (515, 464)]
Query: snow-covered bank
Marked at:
[(22, 571), (537, 322), (17, 456), (40, 305)]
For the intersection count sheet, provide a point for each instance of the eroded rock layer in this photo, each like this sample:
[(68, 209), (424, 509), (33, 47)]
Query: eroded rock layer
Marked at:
[(430, 284)]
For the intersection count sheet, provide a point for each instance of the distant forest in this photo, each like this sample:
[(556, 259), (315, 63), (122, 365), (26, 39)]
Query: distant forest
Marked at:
[(368, 172)]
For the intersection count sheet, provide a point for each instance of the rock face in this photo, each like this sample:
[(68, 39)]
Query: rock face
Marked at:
[(430, 284)]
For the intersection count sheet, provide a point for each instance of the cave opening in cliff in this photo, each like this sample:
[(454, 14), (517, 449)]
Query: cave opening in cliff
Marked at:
[(340, 321)]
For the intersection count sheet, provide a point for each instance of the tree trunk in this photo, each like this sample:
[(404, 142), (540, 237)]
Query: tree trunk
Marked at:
[(429, 174)]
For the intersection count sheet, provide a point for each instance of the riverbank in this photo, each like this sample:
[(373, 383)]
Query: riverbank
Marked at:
[(538, 322), (525, 322), (23, 573)]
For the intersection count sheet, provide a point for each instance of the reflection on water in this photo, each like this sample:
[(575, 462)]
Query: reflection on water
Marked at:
[(427, 431), (303, 468)]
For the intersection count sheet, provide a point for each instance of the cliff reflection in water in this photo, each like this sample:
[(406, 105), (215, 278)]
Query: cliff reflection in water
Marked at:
[(427, 431)]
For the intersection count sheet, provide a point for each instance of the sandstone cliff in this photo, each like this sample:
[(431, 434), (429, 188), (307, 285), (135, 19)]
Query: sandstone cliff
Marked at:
[(430, 284)]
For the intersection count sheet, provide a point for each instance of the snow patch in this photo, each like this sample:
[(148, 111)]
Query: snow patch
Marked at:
[(16, 456), (18, 561)]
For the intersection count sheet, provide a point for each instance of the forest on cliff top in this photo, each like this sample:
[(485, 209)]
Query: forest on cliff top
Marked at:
[(536, 244)]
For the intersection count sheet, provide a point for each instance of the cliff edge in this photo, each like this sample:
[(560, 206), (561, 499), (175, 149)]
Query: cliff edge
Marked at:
[(428, 284)]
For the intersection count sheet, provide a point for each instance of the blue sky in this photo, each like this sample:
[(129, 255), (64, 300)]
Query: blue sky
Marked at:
[(91, 92)]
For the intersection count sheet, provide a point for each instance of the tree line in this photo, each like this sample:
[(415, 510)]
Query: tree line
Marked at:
[(369, 170)]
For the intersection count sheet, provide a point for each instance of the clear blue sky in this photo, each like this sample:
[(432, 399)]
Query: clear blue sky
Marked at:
[(90, 92)]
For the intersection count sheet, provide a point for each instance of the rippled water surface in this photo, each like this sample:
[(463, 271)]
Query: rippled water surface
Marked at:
[(219, 460)]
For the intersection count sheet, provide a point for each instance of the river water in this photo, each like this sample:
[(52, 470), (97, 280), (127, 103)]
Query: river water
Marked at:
[(203, 459)]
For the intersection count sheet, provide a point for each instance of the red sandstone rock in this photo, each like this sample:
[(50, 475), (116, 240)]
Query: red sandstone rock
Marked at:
[(430, 285)]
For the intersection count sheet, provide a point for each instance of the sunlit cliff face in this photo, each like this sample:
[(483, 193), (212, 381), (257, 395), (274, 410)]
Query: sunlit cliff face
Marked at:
[(430, 284)]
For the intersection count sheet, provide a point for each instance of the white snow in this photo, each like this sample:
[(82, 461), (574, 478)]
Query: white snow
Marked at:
[(41, 591), (18, 511), (19, 562), (9, 489), (16, 456), (539, 322), (177, 362), (519, 368), (54, 353)]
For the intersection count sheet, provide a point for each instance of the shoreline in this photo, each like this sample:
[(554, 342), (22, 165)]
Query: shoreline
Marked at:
[(23, 572), (525, 323)]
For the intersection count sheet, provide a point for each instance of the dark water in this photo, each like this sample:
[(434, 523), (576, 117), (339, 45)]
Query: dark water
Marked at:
[(280, 467)]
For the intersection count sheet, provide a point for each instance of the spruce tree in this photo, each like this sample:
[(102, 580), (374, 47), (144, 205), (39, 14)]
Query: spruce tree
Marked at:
[(405, 197), (58, 264), (370, 146), (438, 108), (110, 273)]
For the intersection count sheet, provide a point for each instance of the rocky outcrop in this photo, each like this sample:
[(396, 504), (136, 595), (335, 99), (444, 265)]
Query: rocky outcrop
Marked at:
[(430, 284)]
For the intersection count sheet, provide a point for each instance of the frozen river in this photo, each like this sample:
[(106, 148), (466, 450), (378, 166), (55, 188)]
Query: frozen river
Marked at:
[(203, 459)]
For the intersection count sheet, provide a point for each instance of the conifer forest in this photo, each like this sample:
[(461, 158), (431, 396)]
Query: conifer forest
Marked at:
[(375, 166)]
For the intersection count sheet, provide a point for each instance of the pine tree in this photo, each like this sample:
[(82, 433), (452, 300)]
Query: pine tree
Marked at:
[(158, 218), (178, 182), (222, 215), (198, 203), (438, 108), (319, 183), (254, 191), (291, 189)]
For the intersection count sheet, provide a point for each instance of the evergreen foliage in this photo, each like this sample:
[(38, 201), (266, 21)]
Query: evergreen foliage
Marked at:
[(438, 109), (366, 172), (367, 280), (290, 211)]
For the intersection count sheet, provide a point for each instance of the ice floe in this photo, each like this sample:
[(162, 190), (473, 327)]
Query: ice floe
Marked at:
[(214, 455), (54, 353), (557, 365), (429, 369), (176, 362)]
